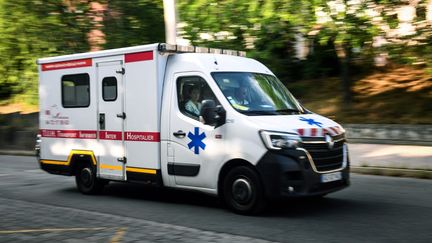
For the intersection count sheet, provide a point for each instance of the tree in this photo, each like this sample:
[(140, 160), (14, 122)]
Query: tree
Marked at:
[(266, 29), (347, 25), (221, 24), (270, 29), (33, 29), (129, 23)]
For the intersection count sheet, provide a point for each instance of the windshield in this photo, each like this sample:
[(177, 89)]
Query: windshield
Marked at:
[(257, 94)]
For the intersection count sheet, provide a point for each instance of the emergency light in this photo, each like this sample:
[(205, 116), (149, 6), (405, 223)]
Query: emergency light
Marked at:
[(168, 48)]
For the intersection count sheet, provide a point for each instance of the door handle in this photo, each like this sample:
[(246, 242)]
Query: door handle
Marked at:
[(180, 134), (122, 115), (102, 121)]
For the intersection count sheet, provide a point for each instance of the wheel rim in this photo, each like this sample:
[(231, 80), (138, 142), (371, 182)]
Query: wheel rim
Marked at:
[(242, 191), (86, 177)]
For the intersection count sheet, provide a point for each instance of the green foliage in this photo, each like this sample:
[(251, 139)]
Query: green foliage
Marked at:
[(339, 32), (130, 23), (33, 29), (213, 17), (266, 29)]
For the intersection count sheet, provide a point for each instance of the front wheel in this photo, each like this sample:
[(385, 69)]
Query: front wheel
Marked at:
[(243, 192), (86, 180)]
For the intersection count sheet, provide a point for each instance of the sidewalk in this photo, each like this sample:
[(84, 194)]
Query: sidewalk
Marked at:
[(396, 160)]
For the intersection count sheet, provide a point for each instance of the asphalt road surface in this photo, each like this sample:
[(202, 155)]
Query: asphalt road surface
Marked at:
[(37, 206)]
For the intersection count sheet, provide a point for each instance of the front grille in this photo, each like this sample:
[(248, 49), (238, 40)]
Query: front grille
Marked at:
[(325, 159)]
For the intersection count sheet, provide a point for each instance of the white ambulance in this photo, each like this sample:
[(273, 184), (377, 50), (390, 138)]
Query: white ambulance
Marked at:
[(185, 117)]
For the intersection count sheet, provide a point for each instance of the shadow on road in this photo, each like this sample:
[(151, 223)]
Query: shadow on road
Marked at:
[(133, 191), (291, 208), (166, 195), (320, 207)]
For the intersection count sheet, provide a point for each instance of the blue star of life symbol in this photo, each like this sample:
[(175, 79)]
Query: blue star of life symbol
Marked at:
[(196, 140), (311, 121)]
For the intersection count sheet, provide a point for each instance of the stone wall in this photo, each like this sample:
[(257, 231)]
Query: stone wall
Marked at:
[(18, 131), (389, 133)]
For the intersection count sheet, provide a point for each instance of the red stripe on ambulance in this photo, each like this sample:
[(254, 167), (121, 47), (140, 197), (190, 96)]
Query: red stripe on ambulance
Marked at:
[(142, 136), (86, 134), (103, 135), (313, 132), (110, 135), (67, 64), (139, 56), (319, 132), (300, 131)]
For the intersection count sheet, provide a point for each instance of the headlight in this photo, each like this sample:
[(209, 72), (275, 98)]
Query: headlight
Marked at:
[(279, 140)]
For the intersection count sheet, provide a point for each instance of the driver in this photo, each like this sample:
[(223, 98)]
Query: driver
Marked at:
[(241, 96), (193, 106)]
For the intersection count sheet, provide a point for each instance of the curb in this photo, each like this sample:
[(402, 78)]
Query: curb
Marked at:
[(389, 141), (396, 172), (18, 152)]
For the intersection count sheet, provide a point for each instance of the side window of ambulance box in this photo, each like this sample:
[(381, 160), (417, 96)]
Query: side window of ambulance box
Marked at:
[(109, 89), (75, 90)]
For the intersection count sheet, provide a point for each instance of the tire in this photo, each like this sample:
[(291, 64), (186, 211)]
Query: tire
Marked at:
[(86, 181), (243, 192)]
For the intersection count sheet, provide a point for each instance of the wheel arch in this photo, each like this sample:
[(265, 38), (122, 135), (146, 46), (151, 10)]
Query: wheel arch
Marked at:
[(229, 166), (79, 157)]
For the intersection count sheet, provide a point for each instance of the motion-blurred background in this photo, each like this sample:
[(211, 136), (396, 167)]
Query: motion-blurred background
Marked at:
[(356, 61)]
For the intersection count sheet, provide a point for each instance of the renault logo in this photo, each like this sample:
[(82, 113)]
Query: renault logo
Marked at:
[(329, 141)]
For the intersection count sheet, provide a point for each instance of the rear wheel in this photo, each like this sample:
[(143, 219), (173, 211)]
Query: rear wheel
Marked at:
[(86, 181), (243, 192)]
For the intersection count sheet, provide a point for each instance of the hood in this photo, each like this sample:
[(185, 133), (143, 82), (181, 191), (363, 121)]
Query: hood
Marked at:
[(308, 125)]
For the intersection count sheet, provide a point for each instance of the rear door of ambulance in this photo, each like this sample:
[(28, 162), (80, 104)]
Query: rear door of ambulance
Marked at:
[(111, 117)]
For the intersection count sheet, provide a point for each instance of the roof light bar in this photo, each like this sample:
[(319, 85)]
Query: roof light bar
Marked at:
[(216, 51), (185, 48), (200, 49), (168, 48)]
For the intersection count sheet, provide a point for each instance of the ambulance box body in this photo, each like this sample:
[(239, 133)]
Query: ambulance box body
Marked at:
[(185, 117)]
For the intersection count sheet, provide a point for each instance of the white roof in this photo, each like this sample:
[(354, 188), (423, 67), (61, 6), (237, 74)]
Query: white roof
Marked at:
[(218, 63)]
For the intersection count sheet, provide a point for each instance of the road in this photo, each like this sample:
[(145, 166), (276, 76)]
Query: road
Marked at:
[(36, 206)]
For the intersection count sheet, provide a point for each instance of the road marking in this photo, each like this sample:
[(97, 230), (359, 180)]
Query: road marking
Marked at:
[(48, 230), (118, 235)]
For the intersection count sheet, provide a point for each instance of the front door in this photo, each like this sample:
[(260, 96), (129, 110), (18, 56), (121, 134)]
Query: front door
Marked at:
[(111, 159), (197, 148)]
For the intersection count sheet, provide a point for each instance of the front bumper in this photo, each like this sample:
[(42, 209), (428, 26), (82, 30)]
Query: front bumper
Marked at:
[(290, 173)]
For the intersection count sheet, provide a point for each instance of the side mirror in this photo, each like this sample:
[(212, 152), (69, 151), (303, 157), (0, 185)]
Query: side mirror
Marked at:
[(213, 115)]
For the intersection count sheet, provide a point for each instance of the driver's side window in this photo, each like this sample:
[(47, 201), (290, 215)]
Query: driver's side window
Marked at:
[(191, 91)]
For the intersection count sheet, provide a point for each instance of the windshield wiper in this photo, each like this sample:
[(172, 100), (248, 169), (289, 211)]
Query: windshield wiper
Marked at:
[(271, 112), (259, 112), (290, 111)]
